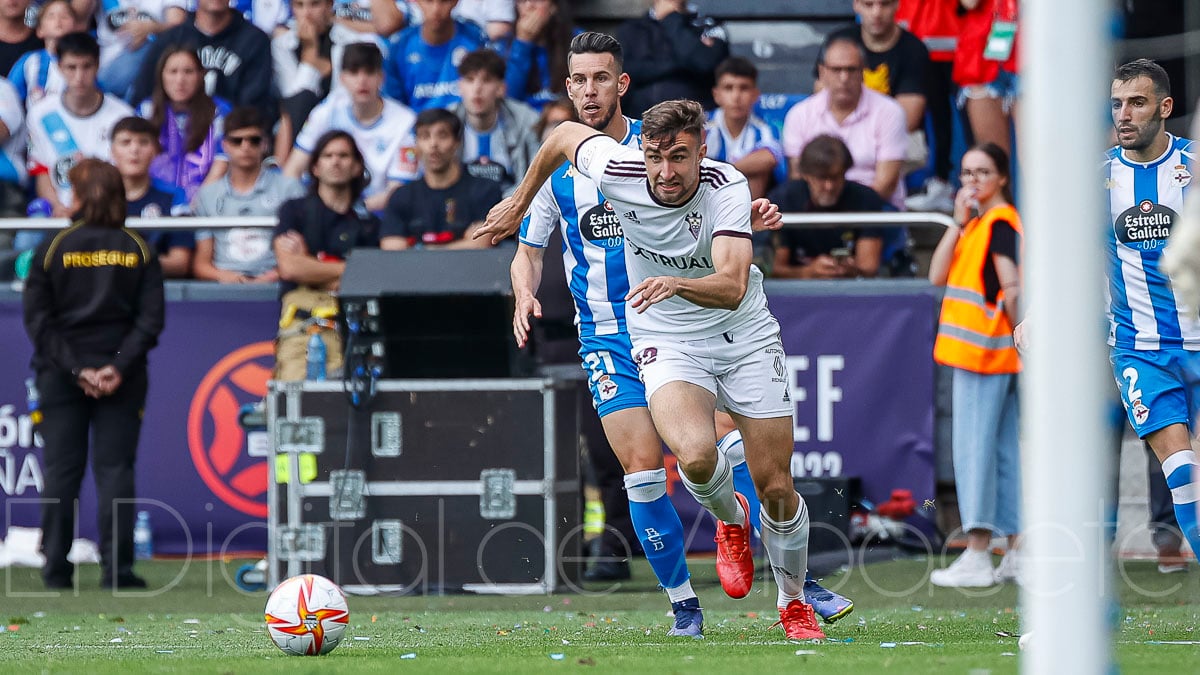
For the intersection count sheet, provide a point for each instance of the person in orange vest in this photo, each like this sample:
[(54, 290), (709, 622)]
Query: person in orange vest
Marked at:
[(978, 263)]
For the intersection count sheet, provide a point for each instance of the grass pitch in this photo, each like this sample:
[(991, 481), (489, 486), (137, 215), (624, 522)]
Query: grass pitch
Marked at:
[(900, 625)]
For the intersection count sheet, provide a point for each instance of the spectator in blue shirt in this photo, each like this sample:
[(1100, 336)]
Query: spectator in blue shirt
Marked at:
[(537, 56), (422, 65)]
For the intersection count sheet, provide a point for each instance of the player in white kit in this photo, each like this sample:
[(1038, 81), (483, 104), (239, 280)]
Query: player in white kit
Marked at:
[(700, 329)]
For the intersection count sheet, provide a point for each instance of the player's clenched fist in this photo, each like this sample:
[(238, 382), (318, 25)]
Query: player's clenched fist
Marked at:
[(652, 290)]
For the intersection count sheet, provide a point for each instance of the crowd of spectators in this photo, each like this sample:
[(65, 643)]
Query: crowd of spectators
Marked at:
[(491, 75)]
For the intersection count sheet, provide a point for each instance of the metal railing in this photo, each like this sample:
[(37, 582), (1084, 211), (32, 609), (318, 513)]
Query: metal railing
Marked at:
[(804, 220), (858, 219), (159, 223)]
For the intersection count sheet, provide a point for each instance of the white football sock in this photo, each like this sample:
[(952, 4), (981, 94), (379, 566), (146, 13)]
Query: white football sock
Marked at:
[(717, 494), (787, 549)]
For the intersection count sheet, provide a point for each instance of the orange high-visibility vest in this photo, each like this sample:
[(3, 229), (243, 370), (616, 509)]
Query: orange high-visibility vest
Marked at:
[(974, 334)]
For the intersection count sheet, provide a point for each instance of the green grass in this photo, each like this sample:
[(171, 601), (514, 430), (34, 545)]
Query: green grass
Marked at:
[(203, 624)]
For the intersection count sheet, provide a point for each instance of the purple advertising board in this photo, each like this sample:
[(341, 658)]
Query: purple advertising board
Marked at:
[(195, 478), (862, 378), (861, 372)]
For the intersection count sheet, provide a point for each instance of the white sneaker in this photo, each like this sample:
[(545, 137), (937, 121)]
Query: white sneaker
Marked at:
[(973, 569), (938, 196), (1009, 569)]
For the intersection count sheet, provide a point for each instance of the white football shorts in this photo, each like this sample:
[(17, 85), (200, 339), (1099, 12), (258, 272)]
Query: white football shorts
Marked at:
[(746, 368)]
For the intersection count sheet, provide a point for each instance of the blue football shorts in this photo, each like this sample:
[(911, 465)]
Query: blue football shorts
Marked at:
[(612, 374), (1158, 388)]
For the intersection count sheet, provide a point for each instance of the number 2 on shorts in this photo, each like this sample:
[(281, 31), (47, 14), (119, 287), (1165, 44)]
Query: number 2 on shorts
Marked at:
[(1132, 393)]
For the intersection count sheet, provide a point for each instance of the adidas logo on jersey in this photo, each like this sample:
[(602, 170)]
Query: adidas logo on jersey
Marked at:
[(631, 216)]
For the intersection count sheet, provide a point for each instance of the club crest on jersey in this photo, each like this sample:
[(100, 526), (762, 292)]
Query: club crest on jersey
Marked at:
[(1146, 222), (1180, 176), (694, 222)]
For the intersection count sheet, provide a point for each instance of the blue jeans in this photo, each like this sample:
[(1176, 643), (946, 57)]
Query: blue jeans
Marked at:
[(117, 77), (987, 458)]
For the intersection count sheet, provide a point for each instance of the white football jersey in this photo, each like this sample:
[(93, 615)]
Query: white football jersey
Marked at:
[(663, 240), (388, 145), (58, 140)]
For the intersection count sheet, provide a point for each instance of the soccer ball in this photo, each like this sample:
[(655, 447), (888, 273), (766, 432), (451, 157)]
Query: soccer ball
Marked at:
[(306, 615)]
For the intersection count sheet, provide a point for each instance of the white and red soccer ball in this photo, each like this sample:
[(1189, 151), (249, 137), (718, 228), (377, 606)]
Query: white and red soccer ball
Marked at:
[(307, 615)]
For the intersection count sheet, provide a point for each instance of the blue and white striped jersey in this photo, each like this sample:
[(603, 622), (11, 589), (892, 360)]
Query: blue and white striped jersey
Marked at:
[(593, 243), (756, 135), (1144, 202)]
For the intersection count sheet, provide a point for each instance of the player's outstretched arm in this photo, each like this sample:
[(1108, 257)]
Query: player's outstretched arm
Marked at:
[(561, 145), (723, 289), (526, 274)]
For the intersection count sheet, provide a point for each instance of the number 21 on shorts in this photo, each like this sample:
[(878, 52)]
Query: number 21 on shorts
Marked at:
[(599, 364)]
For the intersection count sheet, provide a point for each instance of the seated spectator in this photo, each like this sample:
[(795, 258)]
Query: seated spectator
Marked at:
[(738, 136), (372, 17), (443, 208), (422, 64), (381, 128), (236, 57), (83, 112), (16, 37), (241, 254), (985, 69), (314, 237), (670, 53), (824, 253), (270, 16), (498, 140), (872, 125), (125, 29), (134, 146), (897, 62), (189, 123), (553, 114), (36, 74), (308, 61), (537, 56), (12, 162)]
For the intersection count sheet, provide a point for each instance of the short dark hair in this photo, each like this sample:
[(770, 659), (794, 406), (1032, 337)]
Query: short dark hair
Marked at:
[(99, 193), (844, 40), (737, 66), (1148, 69), (432, 116), (483, 60), (138, 126), (244, 117), (360, 181), (78, 43), (665, 122), (598, 43), (359, 56), (823, 154)]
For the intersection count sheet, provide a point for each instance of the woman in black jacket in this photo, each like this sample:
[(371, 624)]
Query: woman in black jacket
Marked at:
[(93, 308)]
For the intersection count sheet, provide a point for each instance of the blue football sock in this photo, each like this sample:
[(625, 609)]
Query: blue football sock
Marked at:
[(658, 526), (1180, 469)]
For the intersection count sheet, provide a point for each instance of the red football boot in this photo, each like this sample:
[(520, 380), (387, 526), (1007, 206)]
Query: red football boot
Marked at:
[(735, 564)]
